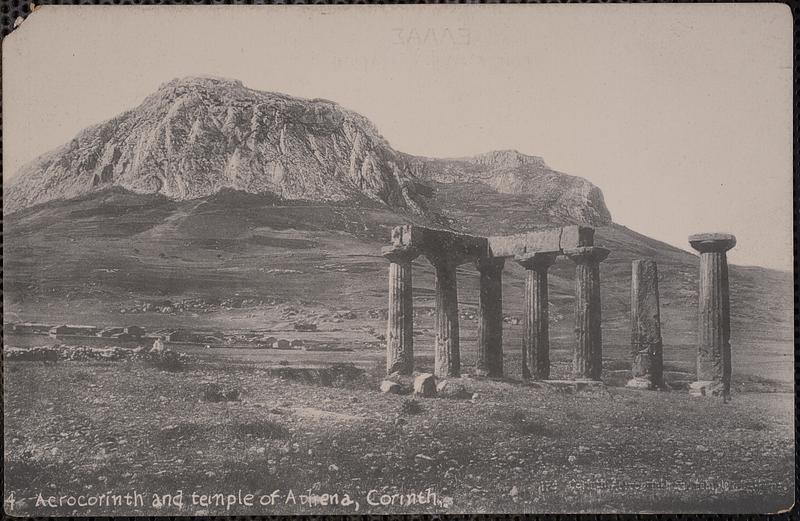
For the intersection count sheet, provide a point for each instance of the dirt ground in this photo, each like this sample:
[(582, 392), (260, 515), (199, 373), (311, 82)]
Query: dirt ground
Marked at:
[(295, 436)]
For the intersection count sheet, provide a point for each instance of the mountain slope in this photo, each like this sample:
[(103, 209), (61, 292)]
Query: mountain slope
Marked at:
[(197, 136)]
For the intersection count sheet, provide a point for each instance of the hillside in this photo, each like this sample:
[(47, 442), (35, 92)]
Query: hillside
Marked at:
[(90, 259)]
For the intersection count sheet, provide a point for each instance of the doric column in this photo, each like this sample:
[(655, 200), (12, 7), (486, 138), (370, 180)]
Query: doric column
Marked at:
[(400, 324), (536, 335), (587, 362), (447, 357), (490, 311), (647, 366), (714, 322)]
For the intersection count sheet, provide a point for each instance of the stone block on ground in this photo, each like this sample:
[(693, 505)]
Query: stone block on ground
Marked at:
[(707, 388), (640, 383), (284, 344), (425, 385), (450, 389), (390, 387)]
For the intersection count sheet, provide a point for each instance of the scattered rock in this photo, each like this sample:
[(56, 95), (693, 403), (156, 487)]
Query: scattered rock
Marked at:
[(390, 387), (425, 385), (514, 492), (449, 389), (284, 344)]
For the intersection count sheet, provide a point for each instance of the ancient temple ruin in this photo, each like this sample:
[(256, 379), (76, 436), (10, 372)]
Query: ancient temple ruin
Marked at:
[(536, 251)]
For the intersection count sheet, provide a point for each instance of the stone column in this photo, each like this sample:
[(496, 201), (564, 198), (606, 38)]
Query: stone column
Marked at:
[(447, 357), (400, 324), (490, 311), (714, 322), (587, 362), (536, 335), (647, 367)]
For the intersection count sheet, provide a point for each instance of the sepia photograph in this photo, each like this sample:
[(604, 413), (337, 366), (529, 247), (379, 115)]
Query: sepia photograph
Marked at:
[(409, 259)]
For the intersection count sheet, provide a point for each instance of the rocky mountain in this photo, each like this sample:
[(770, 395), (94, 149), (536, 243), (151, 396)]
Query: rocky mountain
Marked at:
[(197, 136)]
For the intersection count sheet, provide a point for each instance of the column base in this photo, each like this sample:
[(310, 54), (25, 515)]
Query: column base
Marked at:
[(707, 388)]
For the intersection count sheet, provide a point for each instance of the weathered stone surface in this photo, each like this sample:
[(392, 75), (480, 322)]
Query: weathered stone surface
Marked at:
[(447, 355), (712, 242), (400, 321), (490, 324), (438, 245), (576, 237), (545, 240), (390, 387), (708, 388), (536, 334), (647, 365), (587, 362), (448, 389), (714, 348), (425, 385), (284, 344)]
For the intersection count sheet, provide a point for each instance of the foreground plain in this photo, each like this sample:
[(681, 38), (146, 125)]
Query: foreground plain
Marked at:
[(83, 428)]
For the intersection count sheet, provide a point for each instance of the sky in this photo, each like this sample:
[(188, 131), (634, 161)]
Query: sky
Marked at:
[(681, 114)]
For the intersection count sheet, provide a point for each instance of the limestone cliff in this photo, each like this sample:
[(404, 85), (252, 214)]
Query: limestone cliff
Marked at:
[(196, 136)]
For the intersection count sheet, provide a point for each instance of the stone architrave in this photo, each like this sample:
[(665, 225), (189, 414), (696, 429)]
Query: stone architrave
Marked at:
[(587, 363), (647, 368), (714, 322), (400, 323), (536, 336), (490, 311)]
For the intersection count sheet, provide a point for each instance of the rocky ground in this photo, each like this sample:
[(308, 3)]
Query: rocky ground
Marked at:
[(85, 428)]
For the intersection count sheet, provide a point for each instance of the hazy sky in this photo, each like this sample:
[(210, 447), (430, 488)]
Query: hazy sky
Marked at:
[(681, 114)]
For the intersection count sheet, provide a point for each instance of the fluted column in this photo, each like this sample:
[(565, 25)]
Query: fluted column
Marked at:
[(714, 323), (587, 362), (536, 335), (447, 357), (490, 312), (400, 323), (647, 365)]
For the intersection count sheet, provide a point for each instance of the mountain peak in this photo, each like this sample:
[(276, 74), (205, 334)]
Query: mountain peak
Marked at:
[(198, 135)]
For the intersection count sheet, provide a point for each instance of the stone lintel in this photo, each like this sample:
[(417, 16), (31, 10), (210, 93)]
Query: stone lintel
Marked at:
[(440, 246), (712, 242), (587, 254), (537, 261), (546, 240)]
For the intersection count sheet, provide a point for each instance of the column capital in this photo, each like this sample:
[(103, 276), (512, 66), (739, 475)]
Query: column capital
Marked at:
[(537, 261), (490, 263), (588, 254), (712, 242), (399, 254)]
